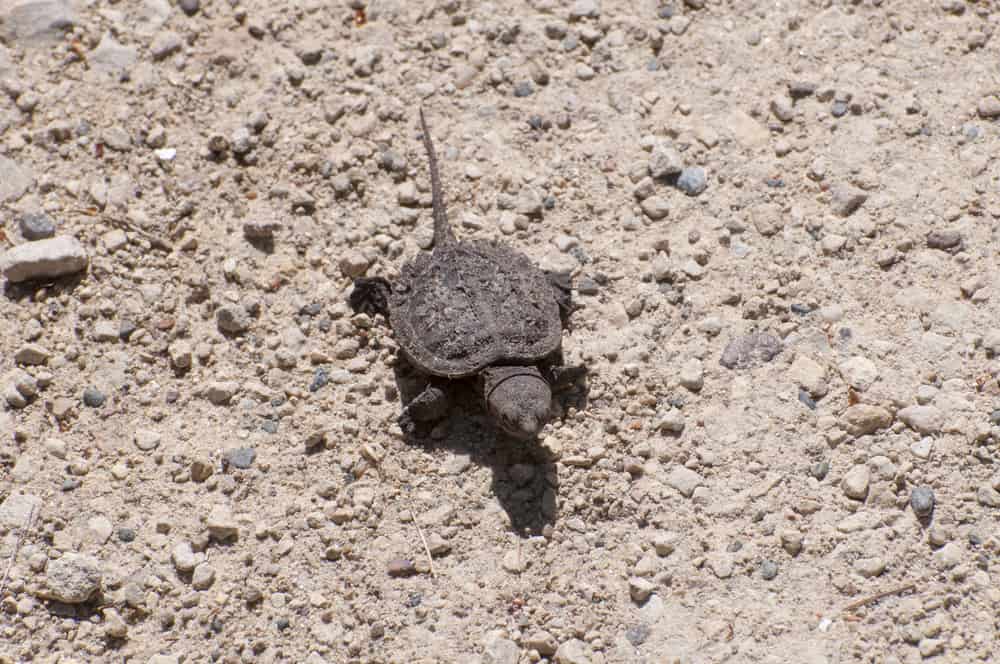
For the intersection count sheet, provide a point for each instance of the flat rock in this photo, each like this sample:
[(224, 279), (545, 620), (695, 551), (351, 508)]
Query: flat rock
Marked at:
[(35, 22), (17, 508), (684, 480), (112, 57), (45, 259), (846, 199), (15, 179), (74, 578)]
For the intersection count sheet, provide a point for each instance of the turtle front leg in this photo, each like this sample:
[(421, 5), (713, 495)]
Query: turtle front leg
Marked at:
[(431, 404), (562, 286), (370, 296), (427, 407), (565, 377)]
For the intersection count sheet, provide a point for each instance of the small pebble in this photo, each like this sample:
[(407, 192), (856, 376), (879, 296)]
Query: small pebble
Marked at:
[(922, 501), (400, 567), (692, 181), (768, 570), (856, 481), (241, 457), (93, 397)]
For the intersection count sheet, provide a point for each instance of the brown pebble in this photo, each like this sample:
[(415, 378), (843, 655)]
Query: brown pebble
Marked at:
[(401, 567)]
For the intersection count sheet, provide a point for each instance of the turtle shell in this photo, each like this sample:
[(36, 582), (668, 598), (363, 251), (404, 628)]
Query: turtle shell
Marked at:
[(469, 305)]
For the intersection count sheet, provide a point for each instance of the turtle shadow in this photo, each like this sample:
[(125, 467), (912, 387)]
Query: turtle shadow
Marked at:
[(29, 290), (524, 474)]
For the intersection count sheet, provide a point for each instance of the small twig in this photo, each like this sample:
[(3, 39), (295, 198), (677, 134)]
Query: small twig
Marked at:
[(865, 601), (155, 241), (17, 548), (427, 549)]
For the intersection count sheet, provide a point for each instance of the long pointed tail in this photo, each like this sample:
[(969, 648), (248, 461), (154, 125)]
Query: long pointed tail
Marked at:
[(442, 229)]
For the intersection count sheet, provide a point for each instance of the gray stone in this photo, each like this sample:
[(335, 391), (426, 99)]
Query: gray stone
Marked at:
[(988, 496), (573, 651), (944, 240), (692, 180), (749, 350), (585, 9), (203, 577), (233, 319), (36, 226), (922, 501), (14, 180), (44, 259), (166, 44), (241, 457), (74, 578), (859, 372), (870, 567), (220, 392), (501, 651), (35, 22), (189, 7), (768, 570), (665, 161), (184, 557), (845, 199), (112, 57), (32, 355), (16, 510), (656, 207), (93, 397), (541, 641), (692, 375)]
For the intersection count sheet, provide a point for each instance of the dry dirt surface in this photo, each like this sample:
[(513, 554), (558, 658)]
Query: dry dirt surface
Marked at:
[(782, 223)]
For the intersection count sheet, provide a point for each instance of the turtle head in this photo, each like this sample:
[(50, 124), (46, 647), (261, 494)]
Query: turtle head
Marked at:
[(518, 399)]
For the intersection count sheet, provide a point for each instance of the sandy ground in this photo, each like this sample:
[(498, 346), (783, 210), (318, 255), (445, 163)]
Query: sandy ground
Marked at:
[(781, 219)]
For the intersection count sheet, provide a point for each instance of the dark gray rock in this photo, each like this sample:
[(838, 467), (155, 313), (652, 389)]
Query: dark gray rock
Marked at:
[(36, 226)]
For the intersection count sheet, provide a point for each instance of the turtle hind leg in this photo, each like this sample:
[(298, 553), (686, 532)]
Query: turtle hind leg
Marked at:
[(370, 296)]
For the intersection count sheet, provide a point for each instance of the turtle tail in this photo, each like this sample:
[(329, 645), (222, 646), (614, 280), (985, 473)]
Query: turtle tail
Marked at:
[(442, 229)]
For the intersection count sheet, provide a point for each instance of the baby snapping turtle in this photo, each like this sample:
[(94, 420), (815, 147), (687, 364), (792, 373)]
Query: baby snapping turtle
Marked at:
[(476, 309)]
